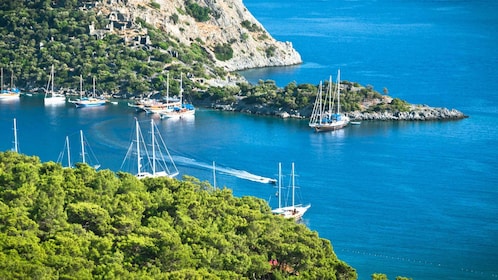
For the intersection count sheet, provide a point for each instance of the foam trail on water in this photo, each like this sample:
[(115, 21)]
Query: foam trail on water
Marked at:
[(225, 170)]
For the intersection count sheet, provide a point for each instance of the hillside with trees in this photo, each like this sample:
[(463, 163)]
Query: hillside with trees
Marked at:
[(77, 223), (130, 56)]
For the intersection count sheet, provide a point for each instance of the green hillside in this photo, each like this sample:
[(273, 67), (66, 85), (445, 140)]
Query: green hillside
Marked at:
[(63, 223), (38, 34)]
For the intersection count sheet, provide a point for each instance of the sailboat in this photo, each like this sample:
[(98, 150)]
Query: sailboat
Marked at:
[(293, 211), (51, 96), (66, 152), (157, 160), (322, 117), (90, 101), (178, 109), (12, 92)]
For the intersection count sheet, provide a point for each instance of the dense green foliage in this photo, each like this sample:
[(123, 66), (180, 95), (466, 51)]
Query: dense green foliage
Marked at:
[(79, 224), (35, 35)]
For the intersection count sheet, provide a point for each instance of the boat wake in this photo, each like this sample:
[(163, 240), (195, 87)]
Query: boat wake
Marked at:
[(224, 170)]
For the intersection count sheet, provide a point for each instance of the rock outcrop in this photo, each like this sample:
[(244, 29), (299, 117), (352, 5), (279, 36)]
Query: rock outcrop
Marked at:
[(416, 113), (229, 23)]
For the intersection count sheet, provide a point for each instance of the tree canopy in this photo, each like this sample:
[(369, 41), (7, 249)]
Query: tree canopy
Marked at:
[(78, 223)]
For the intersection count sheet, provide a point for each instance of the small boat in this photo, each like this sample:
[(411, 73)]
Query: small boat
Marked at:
[(355, 123), (157, 159), (323, 118), (10, 93), (52, 97), (89, 101), (293, 211)]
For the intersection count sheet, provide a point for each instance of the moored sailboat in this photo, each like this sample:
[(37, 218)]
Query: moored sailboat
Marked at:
[(323, 118), (178, 109), (88, 101), (51, 96), (10, 93), (293, 211)]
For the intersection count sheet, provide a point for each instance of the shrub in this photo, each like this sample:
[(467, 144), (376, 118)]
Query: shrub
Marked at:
[(200, 14), (223, 52)]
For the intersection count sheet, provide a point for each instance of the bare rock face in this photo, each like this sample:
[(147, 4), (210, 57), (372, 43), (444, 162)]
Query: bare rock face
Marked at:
[(229, 23)]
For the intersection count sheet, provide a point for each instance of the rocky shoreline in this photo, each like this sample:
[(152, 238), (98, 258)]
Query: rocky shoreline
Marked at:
[(416, 113)]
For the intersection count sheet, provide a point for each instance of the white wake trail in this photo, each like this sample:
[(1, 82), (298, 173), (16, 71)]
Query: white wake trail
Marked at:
[(225, 170)]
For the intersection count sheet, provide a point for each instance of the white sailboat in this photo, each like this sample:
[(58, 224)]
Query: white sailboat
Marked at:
[(52, 97), (157, 160), (323, 118), (11, 93), (293, 211), (66, 152), (88, 101)]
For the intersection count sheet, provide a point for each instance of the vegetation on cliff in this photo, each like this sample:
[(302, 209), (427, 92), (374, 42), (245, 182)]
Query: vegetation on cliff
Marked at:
[(77, 223)]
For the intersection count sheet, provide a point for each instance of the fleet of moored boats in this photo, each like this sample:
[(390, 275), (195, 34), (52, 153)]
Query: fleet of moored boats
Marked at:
[(152, 158)]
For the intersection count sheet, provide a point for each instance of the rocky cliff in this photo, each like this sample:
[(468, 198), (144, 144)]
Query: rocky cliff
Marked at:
[(229, 23)]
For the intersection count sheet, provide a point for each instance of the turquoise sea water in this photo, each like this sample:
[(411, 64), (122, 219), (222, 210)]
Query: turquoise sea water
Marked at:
[(417, 199)]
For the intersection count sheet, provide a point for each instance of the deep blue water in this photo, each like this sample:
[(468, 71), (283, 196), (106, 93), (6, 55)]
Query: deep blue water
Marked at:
[(417, 199)]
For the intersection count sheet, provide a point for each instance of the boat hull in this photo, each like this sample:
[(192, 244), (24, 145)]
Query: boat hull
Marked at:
[(54, 100), (177, 114), (81, 105), (9, 96), (329, 126), (292, 212)]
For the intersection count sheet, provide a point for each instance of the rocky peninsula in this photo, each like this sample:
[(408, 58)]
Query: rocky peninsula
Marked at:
[(372, 107)]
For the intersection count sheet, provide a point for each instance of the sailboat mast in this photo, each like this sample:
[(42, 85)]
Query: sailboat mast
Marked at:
[(138, 146), (82, 146), (330, 96), (16, 148), (279, 185), (1, 77), (52, 80), (293, 185), (68, 152), (167, 87), (338, 90), (81, 86), (153, 147), (181, 88), (321, 108)]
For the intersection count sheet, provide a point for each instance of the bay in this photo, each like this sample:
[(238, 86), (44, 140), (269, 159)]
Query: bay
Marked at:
[(417, 199)]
